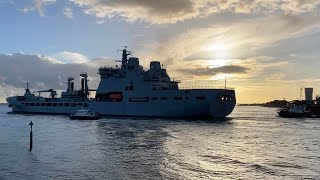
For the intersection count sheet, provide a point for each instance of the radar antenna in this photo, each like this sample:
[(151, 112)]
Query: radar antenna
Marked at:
[(27, 90)]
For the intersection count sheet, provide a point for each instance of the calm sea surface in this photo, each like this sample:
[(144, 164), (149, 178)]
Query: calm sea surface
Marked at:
[(251, 144)]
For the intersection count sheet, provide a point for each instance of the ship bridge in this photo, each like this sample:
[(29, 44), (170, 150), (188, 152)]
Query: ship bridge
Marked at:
[(131, 74)]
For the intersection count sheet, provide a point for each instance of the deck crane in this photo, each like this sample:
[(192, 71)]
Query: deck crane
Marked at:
[(51, 91)]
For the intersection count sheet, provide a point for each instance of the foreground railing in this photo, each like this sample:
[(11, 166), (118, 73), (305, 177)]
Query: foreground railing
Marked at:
[(205, 87)]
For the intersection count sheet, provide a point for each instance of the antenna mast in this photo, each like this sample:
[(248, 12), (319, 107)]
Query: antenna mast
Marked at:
[(300, 93)]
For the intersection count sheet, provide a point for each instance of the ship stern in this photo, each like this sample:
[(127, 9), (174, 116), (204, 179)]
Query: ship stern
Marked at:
[(223, 104)]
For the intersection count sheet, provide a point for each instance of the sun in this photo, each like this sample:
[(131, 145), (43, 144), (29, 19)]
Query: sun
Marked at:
[(218, 50), (217, 63)]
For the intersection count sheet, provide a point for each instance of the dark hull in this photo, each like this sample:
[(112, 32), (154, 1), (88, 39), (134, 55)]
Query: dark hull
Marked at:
[(287, 114)]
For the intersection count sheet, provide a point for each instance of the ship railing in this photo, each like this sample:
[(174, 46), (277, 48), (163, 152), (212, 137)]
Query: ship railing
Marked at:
[(205, 87)]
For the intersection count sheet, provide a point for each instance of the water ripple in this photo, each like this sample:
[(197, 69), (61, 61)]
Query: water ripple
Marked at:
[(253, 143)]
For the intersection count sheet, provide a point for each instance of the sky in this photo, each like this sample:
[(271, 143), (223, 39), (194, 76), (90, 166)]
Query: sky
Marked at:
[(266, 49)]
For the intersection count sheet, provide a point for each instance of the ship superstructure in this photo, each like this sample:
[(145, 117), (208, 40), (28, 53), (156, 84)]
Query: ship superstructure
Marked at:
[(129, 90)]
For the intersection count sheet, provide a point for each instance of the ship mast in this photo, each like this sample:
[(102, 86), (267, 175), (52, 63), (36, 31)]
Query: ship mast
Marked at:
[(125, 54), (70, 84)]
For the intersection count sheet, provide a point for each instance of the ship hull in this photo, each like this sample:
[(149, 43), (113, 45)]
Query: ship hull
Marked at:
[(175, 103)]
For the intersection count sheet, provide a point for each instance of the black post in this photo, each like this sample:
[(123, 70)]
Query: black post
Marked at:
[(30, 149)]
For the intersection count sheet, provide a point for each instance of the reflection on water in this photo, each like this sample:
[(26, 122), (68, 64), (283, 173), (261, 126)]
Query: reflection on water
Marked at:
[(251, 143)]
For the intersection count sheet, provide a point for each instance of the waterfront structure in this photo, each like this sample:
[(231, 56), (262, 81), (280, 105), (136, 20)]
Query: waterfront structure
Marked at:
[(308, 94), (132, 91)]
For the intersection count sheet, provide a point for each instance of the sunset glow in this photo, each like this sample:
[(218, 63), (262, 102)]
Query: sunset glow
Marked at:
[(256, 45)]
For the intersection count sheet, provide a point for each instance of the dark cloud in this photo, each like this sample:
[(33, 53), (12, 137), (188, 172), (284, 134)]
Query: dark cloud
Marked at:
[(163, 8), (172, 11), (43, 72), (149, 10), (200, 71)]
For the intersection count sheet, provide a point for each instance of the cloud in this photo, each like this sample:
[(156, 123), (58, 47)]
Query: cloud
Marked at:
[(43, 72), (146, 10), (39, 6), (229, 69), (68, 12), (163, 12), (71, 57), (233, 40)]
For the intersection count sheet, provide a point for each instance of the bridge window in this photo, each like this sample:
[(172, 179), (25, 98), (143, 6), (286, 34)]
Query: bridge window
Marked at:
[(186, 97), (55, 104), (66, 104), (164, 98), (139, 99), (225, 98), (43, 104), (154, 98), (60, 104), (79, 104), (27, 104), (31, 104), (37, 104), (73, 105), (49, 104)]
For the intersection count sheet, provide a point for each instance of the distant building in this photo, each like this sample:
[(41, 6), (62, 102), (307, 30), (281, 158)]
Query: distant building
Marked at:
[(308, 94)]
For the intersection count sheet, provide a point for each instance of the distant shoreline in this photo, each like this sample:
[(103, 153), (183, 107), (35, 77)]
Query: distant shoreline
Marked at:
[(275, 103)]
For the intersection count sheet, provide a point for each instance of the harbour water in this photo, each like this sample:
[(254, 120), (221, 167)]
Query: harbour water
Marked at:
[(253, 143)]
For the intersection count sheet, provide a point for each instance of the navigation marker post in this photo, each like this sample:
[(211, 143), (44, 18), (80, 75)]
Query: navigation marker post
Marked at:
[(30, 149)]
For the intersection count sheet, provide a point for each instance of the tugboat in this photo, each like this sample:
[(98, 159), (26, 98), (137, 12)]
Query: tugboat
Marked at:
[(84, 114), (294, 110)]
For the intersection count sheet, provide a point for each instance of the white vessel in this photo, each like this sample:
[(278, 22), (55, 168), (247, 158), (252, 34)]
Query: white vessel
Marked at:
[(132, 91), (84, 114)]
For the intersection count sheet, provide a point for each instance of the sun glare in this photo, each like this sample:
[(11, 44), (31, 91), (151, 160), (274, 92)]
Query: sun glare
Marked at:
[(218, 50), (221, 76), (217, 46), (217, 63)]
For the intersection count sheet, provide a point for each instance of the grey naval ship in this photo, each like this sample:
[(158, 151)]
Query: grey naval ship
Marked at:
[(129, 90)]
